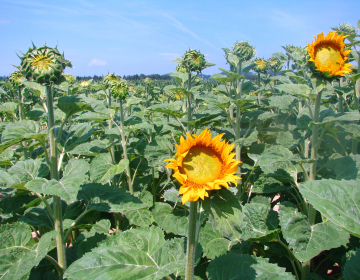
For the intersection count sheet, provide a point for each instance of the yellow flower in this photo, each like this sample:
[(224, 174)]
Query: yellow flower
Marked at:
[(328, 55), (203, 164)]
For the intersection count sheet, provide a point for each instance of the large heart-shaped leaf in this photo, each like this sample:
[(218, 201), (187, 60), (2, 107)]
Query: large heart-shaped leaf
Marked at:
[(308, 241), (135, 254), (339, 201), (19, 252)]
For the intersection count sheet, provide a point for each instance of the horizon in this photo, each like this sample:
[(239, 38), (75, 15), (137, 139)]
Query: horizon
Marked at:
[(135, 37)]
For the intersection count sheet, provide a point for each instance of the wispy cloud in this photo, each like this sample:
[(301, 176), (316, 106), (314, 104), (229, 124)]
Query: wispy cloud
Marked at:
[(287, 20), (97, 62), (181, 27)]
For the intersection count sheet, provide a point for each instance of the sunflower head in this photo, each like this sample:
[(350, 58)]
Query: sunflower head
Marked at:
[(119, 89), (328, 55), (203, 164), (86, 84), (15, 77), (148, 81), (243, 50), (43, 65), (290, 48), (260, 65), (70, 78), (274, 63), (194, 61), (110, 78)]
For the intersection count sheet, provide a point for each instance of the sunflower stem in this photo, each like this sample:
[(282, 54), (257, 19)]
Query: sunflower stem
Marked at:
[(123, 143), (60, 241), (191, 242), (189, 113)]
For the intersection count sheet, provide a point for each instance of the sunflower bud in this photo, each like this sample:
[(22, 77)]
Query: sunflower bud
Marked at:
[(70, 78), (180, 68), (119, 89), (86, 84), (260, 65), (43, 65), (274, 63), (15, 77), (148, 81), (347, 28), (194, 61), (290, 48), (244, 51), (109, 79)]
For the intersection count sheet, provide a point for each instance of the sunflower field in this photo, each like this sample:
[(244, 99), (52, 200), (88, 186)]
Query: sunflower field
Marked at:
[(230, 178)]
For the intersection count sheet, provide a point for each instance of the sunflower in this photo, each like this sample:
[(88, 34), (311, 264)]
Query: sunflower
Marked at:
[(260, 65), (203, 164), (328, 55)]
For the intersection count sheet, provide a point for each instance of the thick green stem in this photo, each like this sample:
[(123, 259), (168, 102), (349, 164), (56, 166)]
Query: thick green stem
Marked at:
[(191, 242), (123, 143), (314, 150), (189, 112), (60, 241)]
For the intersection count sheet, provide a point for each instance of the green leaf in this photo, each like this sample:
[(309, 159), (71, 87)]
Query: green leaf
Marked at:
[(102, 169), (36, 88), (221, 78), (8, 107), (20, 130), (73, 104), (225, 214), (284, 102), (179, 77), (140, 217), (268, 184), (347, 116), (27, 170), (18, 250), (294, 89), (352, 268), (109, 199), (247, 87), (212, 242), (308, 241), (337, 200), (171, 220), (260, 222), (273, 157), (171, 109), (134, 254), (231, 266), (77, 134), (91, 148), (233, 76)]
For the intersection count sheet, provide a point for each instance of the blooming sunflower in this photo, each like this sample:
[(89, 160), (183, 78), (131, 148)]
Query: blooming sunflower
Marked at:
[(328, 55), (203, 164)]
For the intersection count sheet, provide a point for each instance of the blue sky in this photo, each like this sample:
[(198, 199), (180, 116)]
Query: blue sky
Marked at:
[(133, 37)]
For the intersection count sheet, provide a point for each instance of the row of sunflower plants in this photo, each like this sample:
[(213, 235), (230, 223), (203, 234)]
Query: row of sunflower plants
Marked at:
[(226, 179)]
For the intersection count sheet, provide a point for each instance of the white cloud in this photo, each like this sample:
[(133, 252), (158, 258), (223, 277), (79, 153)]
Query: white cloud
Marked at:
[(97, 62)]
